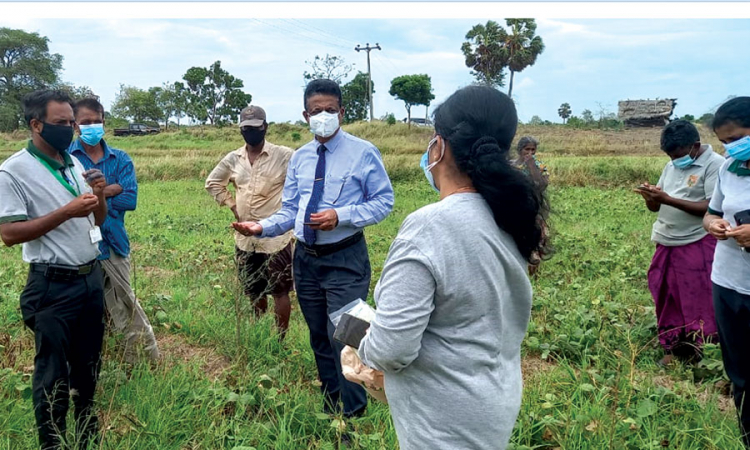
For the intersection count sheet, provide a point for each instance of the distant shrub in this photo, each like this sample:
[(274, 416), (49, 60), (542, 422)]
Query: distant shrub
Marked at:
[(390, 119), (536, 120), (296, 136), (706, 119), (576, 122)]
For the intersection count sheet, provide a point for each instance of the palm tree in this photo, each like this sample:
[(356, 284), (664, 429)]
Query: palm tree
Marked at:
[(564, 111), (520, 47), (483, 53)]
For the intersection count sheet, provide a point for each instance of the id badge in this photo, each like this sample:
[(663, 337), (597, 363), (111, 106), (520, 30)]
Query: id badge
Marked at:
[(96, 235)]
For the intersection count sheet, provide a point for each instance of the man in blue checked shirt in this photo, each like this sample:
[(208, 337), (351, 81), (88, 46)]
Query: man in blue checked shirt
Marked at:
[(335, 186), (121, 193)]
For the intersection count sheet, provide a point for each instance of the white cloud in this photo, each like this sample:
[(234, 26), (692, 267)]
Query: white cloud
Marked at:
[(584, 61), (524, 83), (561, 26)]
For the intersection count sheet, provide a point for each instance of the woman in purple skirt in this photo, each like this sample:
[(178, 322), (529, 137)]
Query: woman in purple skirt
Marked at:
[(680, 274)]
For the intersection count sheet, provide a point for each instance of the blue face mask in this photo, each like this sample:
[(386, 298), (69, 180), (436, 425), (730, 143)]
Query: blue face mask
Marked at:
[(92, 134), (739, 149), (683, 162), (428, 167)]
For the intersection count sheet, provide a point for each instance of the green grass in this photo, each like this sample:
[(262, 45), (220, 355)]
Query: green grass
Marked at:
[(589, 357)]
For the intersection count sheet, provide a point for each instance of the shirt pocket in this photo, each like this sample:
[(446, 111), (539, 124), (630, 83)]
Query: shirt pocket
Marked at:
[(268, 185), (338, 189)]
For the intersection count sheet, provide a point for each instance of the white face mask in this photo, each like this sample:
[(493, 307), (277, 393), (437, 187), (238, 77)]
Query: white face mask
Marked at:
[(324, 124)]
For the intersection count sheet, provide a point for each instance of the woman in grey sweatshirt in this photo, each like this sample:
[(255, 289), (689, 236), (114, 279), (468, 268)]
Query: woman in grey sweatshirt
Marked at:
[(454, 298)]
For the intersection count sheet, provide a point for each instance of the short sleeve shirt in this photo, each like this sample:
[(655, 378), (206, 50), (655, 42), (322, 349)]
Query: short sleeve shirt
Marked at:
[(28, 191), (696, 183), (731, 267)]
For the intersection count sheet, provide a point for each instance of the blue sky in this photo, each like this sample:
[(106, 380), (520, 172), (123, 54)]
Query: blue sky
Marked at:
[(586, 63)]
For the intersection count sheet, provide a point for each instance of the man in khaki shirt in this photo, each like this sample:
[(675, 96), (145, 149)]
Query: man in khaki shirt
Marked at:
[(257, 170)]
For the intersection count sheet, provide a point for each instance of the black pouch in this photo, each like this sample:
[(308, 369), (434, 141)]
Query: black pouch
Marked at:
[(350, 330), (743, 218), (60, 273)]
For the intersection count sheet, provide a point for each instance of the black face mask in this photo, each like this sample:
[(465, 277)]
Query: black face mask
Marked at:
[(253, 136), (57, 136)]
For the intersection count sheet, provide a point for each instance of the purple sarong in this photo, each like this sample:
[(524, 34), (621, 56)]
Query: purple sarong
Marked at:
[(680, 282)]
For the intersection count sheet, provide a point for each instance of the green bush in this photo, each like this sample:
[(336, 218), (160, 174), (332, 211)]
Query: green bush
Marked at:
[(9, 118)]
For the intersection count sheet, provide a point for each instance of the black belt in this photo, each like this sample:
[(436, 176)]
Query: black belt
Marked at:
[(327, 249), (62, 272)]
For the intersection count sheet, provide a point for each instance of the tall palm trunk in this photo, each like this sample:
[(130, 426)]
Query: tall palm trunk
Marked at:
[(510, 85)]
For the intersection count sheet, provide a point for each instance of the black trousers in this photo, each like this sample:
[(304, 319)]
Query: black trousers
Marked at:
[(733, 318), (67, 318), (325, 284)]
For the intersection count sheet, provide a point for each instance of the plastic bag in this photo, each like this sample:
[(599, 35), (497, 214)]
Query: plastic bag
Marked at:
[(358, 308)]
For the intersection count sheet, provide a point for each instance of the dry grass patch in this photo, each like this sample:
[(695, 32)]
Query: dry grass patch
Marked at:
[(534, 366), (176, 350)]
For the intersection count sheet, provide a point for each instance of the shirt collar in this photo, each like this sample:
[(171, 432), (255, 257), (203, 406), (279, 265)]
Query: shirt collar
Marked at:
[(55, 164), (77, 147), (738, 168), (242, 151), (334, 143), (701, 160)]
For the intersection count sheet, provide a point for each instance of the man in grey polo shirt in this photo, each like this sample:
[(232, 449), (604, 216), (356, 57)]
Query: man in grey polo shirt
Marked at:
[(51, 206), (680, 274)]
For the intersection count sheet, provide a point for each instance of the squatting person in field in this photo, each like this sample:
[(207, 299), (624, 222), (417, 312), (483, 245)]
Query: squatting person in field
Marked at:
[(121, 193), (257, 170), (680, 274), (529, 164), (336, 186), (51, 206), (454, 299), (728, 219)]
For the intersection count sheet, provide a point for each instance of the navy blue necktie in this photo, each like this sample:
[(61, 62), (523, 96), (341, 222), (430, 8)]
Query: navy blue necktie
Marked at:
[(317, 194)]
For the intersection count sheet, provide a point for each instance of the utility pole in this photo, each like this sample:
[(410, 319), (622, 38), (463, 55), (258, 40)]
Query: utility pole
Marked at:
[(367, 48)]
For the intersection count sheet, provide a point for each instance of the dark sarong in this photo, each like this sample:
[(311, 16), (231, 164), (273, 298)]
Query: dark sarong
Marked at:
[(680, 282)]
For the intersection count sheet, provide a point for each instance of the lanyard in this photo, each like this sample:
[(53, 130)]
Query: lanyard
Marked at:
[(59, 177)]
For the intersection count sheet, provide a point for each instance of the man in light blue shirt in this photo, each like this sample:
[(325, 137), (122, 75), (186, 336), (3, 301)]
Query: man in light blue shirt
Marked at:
[(335, 186)]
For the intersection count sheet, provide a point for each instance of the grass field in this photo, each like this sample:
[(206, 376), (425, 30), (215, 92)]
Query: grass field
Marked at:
[(591, 381)]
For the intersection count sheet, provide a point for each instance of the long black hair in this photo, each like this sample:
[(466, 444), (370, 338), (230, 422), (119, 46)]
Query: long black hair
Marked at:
[(479, 123), (736, 110)]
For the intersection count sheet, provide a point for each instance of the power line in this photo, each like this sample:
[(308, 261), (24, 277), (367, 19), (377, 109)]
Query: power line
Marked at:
[(287, 31), (312, 34), (388, 66), (384, 67), (318, 30), (391, 63)]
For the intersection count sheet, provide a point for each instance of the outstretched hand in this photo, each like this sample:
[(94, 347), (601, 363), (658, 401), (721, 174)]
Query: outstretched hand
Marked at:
[(248, 228)]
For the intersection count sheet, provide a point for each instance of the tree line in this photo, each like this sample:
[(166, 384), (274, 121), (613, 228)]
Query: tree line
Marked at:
[(211, 95)]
